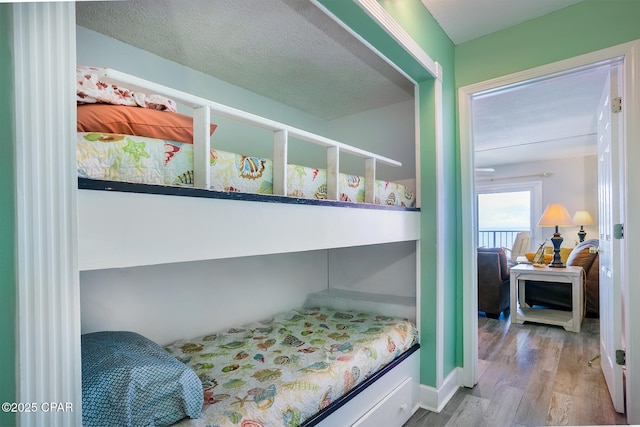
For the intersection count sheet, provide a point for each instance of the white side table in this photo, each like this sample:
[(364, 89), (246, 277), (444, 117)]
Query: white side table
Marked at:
[(572, 276)]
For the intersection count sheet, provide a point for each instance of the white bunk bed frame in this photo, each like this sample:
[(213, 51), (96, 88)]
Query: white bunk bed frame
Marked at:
[(51, 252), (203, 108)]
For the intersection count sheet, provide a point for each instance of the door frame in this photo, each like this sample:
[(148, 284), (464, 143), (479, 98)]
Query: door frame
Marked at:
[(630, 133)]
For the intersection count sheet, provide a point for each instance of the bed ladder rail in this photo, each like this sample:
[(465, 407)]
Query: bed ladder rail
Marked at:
[(204, 108), (280, 146), (201, 149)]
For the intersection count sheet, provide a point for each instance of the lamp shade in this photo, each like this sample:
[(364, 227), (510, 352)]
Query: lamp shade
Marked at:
[(555, 215), (582, 218)]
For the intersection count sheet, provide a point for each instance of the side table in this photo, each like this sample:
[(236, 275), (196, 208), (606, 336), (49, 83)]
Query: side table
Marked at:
[(521, 312)]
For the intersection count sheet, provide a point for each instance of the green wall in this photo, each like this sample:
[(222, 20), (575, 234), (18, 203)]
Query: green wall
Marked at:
[(421, 26), (582, 28), (585, 27), (7, 224)]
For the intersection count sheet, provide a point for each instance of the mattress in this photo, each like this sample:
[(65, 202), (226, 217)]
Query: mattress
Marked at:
[(281, 371), (138, 159)]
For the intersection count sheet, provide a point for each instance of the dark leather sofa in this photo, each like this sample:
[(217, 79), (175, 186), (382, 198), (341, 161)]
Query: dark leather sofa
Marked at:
[(558, 296), (493, 281)]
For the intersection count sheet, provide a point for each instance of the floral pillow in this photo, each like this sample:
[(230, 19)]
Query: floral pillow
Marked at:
[(91, 90)]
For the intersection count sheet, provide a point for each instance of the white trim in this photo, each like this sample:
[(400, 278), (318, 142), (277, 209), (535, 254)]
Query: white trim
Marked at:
[(631, 110), (631, 136), (361, 39), (440, 231), (416, 119), (48, 282), (379, 15), (469, 375), (435, 399)]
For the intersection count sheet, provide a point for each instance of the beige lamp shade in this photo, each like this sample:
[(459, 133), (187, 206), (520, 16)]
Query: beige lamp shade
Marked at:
[(555, 215), (582, 218)]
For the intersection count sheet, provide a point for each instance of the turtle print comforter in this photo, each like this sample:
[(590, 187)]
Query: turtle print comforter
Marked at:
[(139, 159), (283, 370)]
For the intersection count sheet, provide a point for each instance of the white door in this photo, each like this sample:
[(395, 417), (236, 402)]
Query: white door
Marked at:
[(610, 209)]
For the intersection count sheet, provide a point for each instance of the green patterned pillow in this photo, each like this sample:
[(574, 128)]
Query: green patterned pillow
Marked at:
[(128, 380)]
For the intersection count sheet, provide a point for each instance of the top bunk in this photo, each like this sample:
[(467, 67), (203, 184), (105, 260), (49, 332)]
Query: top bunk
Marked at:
[(108, 127), (279, 187), (131, 223)]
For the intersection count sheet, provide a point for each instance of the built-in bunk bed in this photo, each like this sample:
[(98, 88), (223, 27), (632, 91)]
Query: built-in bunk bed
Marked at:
[(349, 355), (220, 287)]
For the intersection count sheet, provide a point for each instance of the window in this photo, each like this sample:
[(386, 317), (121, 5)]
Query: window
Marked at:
[(505, 209)]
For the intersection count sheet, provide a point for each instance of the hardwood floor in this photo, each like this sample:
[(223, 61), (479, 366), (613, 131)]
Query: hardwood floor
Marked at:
[(530, 375)]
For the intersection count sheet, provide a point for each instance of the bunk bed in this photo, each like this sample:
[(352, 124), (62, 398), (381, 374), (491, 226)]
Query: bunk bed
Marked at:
[(123, 224), (295, 368)]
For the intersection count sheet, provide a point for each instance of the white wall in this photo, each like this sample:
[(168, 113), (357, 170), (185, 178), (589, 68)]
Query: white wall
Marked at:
[(168, 302), (185, 300), (379, 269), (573, 182), (389, 131)]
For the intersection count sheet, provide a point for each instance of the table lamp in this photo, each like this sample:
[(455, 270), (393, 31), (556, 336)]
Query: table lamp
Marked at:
[(555, 215), (582, 218)]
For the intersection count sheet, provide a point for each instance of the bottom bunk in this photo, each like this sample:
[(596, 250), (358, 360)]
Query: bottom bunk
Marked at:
[(308, 366)]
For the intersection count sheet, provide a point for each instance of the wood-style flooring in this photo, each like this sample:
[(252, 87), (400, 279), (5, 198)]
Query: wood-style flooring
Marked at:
[(530, 375)]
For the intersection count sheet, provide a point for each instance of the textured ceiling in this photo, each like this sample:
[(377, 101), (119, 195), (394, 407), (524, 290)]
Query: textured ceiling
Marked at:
[(287, 50), (538, 122), (546, 120), (465, 20)]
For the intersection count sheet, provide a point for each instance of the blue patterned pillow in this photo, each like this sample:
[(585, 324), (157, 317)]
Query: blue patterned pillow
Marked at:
[(128, 380)]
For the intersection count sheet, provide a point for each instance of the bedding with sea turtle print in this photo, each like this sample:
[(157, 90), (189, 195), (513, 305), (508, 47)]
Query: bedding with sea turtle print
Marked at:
[(283, 370)]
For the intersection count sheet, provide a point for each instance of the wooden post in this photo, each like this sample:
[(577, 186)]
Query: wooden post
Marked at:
[(280, 143), (333, 172), (370, 181), (201, 147)]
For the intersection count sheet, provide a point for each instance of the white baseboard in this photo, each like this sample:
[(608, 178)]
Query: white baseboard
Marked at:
[(434, 399)]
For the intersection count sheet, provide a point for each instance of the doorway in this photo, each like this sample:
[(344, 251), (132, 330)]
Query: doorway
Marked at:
[(469, 208)]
